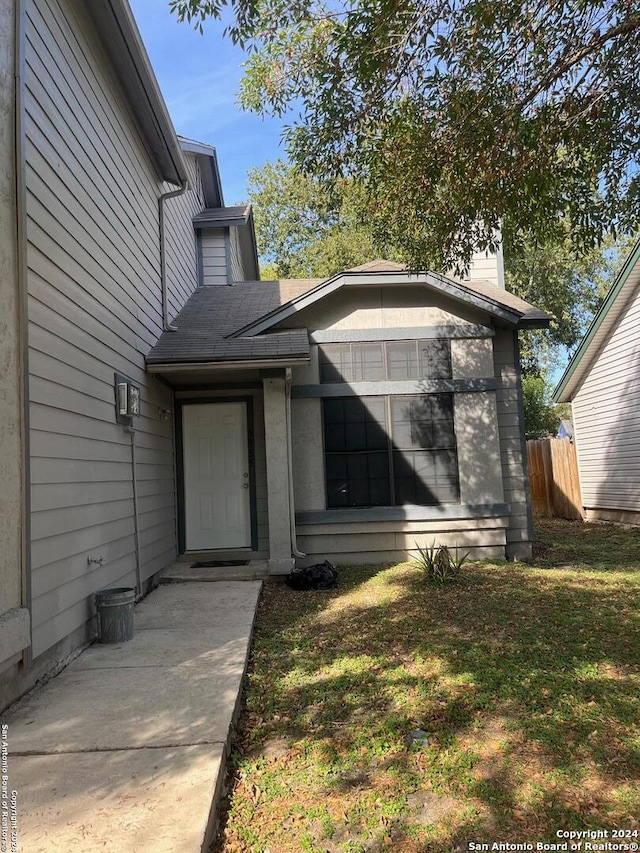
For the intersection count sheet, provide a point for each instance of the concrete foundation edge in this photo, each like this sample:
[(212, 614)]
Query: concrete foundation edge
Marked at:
[(15, 627)]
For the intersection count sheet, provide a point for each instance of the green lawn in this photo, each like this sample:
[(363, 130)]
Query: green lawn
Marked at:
[(526, 679)]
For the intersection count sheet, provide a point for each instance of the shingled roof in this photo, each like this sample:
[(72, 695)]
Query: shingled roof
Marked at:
[(213, 313), (239, 322)]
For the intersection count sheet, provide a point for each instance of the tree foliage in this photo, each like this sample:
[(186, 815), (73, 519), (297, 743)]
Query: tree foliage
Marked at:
[(568, 285), (541, 417), (457, 115), (305, 229)]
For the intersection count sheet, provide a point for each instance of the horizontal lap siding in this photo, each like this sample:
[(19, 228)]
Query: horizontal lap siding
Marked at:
[(512, 447), (180, 242), (237, 272), (606, 414), (214, 257), (94, 309)]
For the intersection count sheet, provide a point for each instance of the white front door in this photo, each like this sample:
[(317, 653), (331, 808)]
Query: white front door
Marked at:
[(216, 476)]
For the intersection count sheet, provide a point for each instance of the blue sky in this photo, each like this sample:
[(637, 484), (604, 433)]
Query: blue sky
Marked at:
[(199, 76)]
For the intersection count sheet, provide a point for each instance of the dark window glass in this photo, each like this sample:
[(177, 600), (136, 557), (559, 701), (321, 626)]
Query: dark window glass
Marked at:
[(422, 443), (359, 475), (367, 362), (335, 363), (402, 360), (435, 359), (358, 479), (425, 462), (425, 477), (351, 363)]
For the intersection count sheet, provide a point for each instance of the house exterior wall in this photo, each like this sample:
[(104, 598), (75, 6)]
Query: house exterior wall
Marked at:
[(213, 256), (487, 267), (94, 309), (235, 258), (484, 521), (513, 451), (606, 416), (180, 240), (14, 619)]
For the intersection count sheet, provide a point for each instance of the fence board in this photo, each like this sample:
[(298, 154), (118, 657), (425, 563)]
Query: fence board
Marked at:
[(553, 478)]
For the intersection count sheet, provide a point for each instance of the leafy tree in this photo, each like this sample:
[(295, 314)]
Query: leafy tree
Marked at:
[(456, 115), (305, 229), (540, 416), (565, 284)]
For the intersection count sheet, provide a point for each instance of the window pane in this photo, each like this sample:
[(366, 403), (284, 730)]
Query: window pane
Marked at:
[(435, 359), (367, 362), (358, 479), (335, 363), (352, 423), (423, 421), (402, 360), (426, 478)]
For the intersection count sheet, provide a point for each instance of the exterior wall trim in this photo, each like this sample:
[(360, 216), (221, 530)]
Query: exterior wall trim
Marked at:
[(410, 333), (371, 389), (23, 313), (447, 512)]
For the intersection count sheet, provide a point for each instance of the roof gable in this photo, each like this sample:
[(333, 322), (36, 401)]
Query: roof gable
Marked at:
[(499, 303), (612, 309)]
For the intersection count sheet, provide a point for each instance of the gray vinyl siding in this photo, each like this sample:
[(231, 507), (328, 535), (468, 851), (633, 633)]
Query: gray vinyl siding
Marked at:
[(606, 415), (514, 470), (214, 256), (235, 259), (180, 239), (94, 309)]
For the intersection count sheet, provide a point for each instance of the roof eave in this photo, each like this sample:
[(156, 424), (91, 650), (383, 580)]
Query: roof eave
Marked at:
[(359, 278), (121, 38), (582, 359), (182, 366)]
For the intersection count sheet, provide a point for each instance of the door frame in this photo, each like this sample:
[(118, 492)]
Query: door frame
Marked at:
[(180, 403)]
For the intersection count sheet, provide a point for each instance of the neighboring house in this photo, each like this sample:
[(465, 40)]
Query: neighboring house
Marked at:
[(158, 401), (601, 383)]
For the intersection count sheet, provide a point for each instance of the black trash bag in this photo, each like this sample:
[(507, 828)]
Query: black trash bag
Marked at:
[(320, 576)]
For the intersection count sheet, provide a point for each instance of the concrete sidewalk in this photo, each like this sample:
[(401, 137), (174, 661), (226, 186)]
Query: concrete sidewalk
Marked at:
[(124, 751)]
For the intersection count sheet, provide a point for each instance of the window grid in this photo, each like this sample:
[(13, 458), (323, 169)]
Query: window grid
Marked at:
[(410, 451), (367, 361)]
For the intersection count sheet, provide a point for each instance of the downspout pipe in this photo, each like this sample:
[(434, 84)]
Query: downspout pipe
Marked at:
[(292, 508), (136, 515), (23, 316), (167, 327)]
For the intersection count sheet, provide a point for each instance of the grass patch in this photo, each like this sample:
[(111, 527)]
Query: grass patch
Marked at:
[(524, 678)]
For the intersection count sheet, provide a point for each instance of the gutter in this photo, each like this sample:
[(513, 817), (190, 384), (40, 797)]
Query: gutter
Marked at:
[(23, 314), (181, 367)]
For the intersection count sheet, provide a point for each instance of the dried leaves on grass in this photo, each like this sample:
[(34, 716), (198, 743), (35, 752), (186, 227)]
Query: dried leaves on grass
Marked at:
[(524, 680)]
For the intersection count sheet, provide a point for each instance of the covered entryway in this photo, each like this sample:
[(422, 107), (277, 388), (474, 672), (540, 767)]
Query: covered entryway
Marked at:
[(217, 494)]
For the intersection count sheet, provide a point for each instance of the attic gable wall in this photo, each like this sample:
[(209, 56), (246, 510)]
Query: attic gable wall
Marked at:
[(384, 307)]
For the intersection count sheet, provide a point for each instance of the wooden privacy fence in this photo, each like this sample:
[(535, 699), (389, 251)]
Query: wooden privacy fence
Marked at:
[(553, 476)]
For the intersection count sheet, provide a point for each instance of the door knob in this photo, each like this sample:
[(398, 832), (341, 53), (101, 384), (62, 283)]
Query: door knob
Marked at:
[(245, 485)]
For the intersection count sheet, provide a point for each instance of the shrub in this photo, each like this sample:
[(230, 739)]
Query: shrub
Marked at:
[(439, 564)]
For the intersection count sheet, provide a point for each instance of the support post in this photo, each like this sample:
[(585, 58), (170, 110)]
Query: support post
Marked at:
[(278, 495)]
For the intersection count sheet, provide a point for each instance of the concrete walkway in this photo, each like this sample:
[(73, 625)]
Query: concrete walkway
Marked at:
[(124, 751)]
